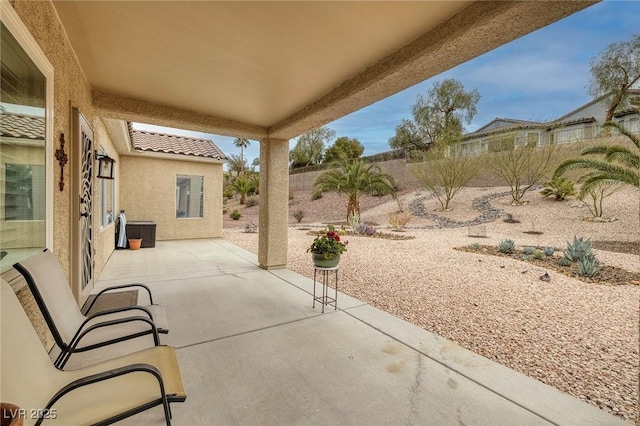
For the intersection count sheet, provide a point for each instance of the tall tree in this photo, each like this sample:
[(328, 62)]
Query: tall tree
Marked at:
[(607, 164), (350, 148), (310, 147), (407, 137), (354, 178), (236, 164), (241, 143), (440, 115), (616, 70), (255, 164)]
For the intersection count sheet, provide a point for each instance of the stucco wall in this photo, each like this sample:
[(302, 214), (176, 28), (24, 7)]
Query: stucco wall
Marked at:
[(148, 191), (70, 89), (403, 172)]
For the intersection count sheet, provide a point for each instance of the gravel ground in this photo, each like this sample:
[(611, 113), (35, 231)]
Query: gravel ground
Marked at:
[(579, 337)]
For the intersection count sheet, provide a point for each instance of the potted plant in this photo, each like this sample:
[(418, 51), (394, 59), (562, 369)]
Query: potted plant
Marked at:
[(327, 248)]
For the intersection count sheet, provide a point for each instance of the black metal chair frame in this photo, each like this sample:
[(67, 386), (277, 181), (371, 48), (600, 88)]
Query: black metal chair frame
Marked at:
[(67, 349)]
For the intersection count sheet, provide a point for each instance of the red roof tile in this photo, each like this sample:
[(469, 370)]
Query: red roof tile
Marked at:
[(22, 126), (172, 144)]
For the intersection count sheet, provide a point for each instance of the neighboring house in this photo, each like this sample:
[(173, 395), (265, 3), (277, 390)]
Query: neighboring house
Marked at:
[(174, 181), (583, 123)]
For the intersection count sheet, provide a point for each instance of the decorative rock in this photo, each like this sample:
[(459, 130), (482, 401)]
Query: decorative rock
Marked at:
[(488, 213)]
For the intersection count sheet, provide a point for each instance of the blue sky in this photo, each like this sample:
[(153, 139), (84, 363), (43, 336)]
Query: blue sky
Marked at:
[(538, 77)]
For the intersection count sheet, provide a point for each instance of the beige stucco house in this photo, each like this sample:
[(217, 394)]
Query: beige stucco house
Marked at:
[(582, 124), (175, 182), (268, 71)]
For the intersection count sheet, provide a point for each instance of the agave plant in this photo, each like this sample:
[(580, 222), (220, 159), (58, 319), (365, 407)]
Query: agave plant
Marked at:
[(578, 249)]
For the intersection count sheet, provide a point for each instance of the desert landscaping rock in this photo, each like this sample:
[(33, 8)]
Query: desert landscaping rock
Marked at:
[(482, 204), (579, 337)]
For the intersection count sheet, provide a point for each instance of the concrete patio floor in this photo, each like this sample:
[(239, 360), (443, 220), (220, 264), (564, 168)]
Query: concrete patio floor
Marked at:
[(252, 351)]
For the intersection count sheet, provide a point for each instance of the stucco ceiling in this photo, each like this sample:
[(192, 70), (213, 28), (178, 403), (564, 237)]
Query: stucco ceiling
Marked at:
[(277, 68)]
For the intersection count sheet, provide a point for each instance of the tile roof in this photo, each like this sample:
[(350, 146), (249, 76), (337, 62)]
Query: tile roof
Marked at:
[(525, 125), (173, 144), (22, 126)]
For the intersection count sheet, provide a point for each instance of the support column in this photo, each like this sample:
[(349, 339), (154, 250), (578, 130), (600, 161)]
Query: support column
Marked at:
[(273, 228)]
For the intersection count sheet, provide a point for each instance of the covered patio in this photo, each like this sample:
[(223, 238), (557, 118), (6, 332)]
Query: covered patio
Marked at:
[(252, 350)]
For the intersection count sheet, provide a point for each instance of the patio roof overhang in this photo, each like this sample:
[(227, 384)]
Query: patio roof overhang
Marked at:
[(278, 69)]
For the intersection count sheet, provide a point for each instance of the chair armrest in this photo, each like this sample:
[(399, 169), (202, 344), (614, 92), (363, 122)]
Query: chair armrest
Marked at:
[(116, 310), (106, 375), (81, 333), (119, 287)]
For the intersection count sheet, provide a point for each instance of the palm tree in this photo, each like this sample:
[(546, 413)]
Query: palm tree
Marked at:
[(242, 185), (354, 178), (617, 163), (241, 143)]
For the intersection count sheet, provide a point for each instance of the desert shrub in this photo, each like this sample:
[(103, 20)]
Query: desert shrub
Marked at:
[(593, 199), (365, 229), (578, 249), (228, 192), (506, 246), (474, 246), (559, 187), (298, 215), (548, 251), (252, 201), (235, 214), (563, 261), (399, 220), (528, 250), (588, 266), (538, 254)]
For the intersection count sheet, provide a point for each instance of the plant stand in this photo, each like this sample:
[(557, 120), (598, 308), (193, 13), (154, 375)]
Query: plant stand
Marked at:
[(324, 298)]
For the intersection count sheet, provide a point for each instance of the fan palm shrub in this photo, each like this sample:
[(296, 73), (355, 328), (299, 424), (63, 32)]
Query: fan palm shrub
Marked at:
[(242, 185), (354, 178)]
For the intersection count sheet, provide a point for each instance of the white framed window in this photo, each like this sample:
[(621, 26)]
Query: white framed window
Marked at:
[(189, 196), (26, 153)]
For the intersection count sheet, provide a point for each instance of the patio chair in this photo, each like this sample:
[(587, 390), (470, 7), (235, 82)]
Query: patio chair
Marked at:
[(99, 394), (74, 332)]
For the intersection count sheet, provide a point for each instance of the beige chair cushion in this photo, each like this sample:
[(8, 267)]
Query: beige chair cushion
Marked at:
[(67, 318), (29, 378)]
